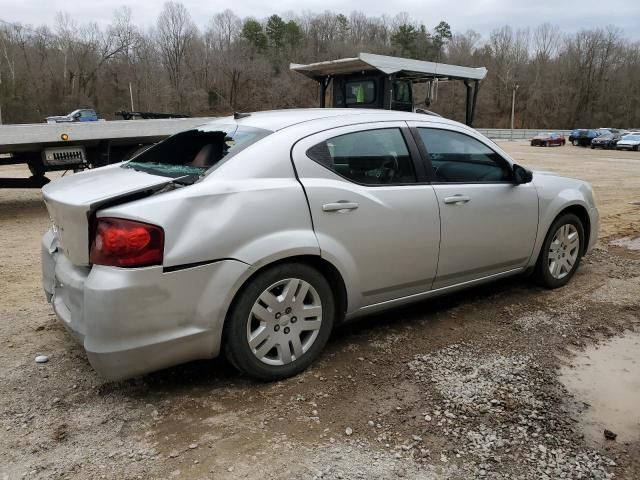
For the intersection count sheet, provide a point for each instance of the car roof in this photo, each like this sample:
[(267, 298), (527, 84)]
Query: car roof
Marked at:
[(275, 120)]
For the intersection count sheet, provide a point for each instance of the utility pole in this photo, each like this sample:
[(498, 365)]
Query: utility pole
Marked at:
[(131, 96), (513, 108)]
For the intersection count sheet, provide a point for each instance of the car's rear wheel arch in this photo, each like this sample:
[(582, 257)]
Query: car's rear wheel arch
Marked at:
[(325, 289), (324, 267)]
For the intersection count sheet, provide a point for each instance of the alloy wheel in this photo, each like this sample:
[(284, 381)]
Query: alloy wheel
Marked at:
[(563, 251), (284, 322)]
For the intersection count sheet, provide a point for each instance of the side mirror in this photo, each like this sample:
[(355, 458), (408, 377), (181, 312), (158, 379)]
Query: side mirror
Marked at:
[(521, 175)]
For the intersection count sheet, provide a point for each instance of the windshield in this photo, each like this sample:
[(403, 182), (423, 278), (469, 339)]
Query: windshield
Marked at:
[(635, 138), (193, 152)]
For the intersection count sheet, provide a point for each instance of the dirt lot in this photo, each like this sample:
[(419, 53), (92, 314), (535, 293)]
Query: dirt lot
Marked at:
[(466, 386)]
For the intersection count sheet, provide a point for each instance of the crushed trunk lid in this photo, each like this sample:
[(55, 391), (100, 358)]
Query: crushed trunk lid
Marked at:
[(72, 200)]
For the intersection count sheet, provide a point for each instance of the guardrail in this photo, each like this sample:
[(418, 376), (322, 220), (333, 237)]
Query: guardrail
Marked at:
[(516, 134)]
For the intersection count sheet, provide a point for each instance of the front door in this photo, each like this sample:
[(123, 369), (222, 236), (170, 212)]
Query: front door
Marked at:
[(373, 218), (488, 222)]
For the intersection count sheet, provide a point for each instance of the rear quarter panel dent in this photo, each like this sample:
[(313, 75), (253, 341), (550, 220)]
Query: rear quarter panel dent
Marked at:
[(253, 222)]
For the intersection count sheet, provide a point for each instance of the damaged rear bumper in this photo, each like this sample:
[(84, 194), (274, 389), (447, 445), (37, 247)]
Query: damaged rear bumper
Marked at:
[(134, 321)]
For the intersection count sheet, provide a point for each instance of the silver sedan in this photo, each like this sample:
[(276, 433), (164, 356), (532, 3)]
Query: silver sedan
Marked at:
[(255, 234)]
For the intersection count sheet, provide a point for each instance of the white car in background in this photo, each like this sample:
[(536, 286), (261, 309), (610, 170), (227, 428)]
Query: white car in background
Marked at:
[(630, 141), (255, 234)]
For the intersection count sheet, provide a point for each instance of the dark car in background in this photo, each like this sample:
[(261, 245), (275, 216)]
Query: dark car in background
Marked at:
[(573, 134), (547, 139), (606, 140), (584, 136)]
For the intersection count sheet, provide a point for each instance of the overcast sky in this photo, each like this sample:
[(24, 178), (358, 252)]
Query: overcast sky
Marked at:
[(479, 15)]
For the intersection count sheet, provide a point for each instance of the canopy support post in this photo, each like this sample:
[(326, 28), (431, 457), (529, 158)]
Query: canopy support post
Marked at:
[(468, 112), (476, 87), (324, 83)]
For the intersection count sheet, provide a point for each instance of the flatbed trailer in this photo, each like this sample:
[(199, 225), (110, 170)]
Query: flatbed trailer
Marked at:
[(47, 147)]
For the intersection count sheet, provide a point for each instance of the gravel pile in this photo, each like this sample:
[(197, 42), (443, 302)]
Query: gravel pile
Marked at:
[(533, 322), (476, 383), (507, 414), (353, 462)]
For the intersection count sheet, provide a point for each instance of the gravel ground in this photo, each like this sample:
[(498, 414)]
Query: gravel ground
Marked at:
[(462, 387)]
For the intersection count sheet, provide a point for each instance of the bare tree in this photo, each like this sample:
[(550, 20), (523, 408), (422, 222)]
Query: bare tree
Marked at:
[(175, 34), (224, 28), (546, 39), (587, 78)]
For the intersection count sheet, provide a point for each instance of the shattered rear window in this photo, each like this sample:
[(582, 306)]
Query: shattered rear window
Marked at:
[(194, 152), (165, 169)]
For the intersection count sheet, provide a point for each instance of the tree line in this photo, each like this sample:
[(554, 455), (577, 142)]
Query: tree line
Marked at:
[(583, 79)]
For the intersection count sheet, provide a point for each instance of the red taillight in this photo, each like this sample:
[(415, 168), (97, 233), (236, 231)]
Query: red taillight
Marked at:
[(126, 243)]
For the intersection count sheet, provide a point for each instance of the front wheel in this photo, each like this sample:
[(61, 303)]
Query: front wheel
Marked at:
[(561, 252), (280, 322)]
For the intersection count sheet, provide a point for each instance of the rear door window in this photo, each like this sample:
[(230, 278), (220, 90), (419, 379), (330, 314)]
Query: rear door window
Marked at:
[(370, 157)]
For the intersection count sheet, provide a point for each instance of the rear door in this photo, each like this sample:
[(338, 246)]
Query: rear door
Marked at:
[(488, 223), (374, 216)]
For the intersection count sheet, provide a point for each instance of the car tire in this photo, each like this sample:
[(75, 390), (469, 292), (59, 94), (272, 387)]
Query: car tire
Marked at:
[(552, 272), (263, 312)]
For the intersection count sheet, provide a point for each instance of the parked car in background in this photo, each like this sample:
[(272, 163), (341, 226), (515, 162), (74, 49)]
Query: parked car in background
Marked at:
[(629, 142), (606, 140), (80, 115), (321, 215), (573, 134), (548, 139), (584, 136)]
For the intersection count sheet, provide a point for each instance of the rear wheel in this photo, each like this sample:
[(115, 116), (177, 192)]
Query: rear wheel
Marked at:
[(280, 322), (561, 252)]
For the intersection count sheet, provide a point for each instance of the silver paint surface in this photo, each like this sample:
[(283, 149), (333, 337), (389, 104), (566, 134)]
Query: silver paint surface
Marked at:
[(401, 244)]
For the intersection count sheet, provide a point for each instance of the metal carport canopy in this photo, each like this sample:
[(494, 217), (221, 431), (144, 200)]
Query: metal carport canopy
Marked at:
[(390, 65)]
